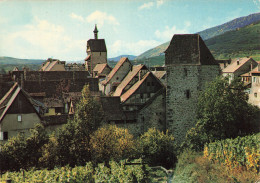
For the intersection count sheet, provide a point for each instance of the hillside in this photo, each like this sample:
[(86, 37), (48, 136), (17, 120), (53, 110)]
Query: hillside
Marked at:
[(8, 63), (10, 60), (208, 33), (116, 59), (238, 43)]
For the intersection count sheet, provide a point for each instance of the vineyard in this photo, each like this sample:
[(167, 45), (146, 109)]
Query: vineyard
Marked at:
[(243, 152), (115, 172)]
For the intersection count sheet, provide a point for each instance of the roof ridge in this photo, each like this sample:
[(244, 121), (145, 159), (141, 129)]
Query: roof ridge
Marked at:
[(128, 79)]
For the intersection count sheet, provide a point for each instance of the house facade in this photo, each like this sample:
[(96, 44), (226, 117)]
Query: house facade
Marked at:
[(18, 113)]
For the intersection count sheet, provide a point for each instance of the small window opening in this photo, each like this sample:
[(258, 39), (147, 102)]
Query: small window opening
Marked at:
[(187, 93), (5, 134), (185, 72), (255, 94), (141, 95), (19, 117)]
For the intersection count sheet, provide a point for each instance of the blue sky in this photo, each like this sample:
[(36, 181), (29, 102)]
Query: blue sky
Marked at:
[(60, 29)]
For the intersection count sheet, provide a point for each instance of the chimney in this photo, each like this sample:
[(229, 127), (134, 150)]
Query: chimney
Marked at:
[(238, 62)]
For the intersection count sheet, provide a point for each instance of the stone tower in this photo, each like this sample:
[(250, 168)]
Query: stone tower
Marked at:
[(97, 52), (189, 65)]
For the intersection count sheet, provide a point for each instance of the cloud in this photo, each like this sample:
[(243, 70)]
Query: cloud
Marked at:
[(101, 17), (150, 4), (159, 2), (146, 6), (41, 39), (257, 3), (168, 32), (120, 47), (77, 17)]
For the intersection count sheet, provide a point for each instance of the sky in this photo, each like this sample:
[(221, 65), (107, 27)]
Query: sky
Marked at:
[(37, 29)]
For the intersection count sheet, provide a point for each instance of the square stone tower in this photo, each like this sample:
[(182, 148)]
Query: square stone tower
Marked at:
[(189, 66), (97, 52)]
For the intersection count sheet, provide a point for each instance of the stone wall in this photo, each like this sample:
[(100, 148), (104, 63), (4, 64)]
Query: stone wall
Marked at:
[(184, 83)]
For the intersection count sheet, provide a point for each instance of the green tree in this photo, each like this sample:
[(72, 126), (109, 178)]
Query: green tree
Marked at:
[(223, 112), (157, 148), (74, 137), (111, 143), (20, 152)]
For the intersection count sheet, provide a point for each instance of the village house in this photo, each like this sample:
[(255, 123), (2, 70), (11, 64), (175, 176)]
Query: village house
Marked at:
[(114, 78), (238, 67), (18, 113), (53, 65), (254, 96), (189, 66), (101, 71)]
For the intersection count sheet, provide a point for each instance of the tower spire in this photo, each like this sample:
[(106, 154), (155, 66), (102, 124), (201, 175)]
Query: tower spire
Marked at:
[(96, 32)]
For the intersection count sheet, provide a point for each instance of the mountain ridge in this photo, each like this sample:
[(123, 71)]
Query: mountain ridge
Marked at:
[(207, 33)]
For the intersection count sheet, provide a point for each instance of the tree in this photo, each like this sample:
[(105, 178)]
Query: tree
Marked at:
[(74, 137), (223, 112), (157, 148), (20, 152), (111, 143)]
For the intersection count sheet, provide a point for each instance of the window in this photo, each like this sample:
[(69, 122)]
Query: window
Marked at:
[(255, 94), (5, 135), (185, 72), (254, 79), (152, 83), (19, 117), (187, 92), (141, 95), (148, 83)]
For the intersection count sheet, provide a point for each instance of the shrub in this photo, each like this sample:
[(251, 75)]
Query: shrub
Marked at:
[(158, 148), (111, 143)]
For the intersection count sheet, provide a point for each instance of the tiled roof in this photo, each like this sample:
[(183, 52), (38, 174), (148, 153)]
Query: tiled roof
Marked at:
[(9, 98), (234, 66), (159, 74), (128, 78), (115, 69), (99, 68), (131, 90), (97, 45)]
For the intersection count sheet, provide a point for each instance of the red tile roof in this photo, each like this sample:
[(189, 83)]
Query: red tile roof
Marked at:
[(131, 90), (128, 78), (115, 69), (234, 66), (99, 68)]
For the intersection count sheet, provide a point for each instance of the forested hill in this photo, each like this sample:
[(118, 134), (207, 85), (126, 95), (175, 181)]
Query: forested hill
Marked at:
[(208, 33)]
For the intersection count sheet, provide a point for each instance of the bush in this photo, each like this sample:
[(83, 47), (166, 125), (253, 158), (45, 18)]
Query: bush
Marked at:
[(158, 148), (111, 143), (20, 152)]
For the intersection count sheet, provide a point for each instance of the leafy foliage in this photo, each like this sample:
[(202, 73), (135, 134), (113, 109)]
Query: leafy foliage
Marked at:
[(157, 148), (111, 143), (116, 172), (20, 152), (241, 151), (223, 112), (72, 142)]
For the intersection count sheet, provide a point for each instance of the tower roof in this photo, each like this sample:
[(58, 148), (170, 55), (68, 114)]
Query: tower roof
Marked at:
[(188, 49)]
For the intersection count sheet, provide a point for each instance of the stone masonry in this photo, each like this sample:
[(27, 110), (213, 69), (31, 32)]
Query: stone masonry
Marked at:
[(190, 66)]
